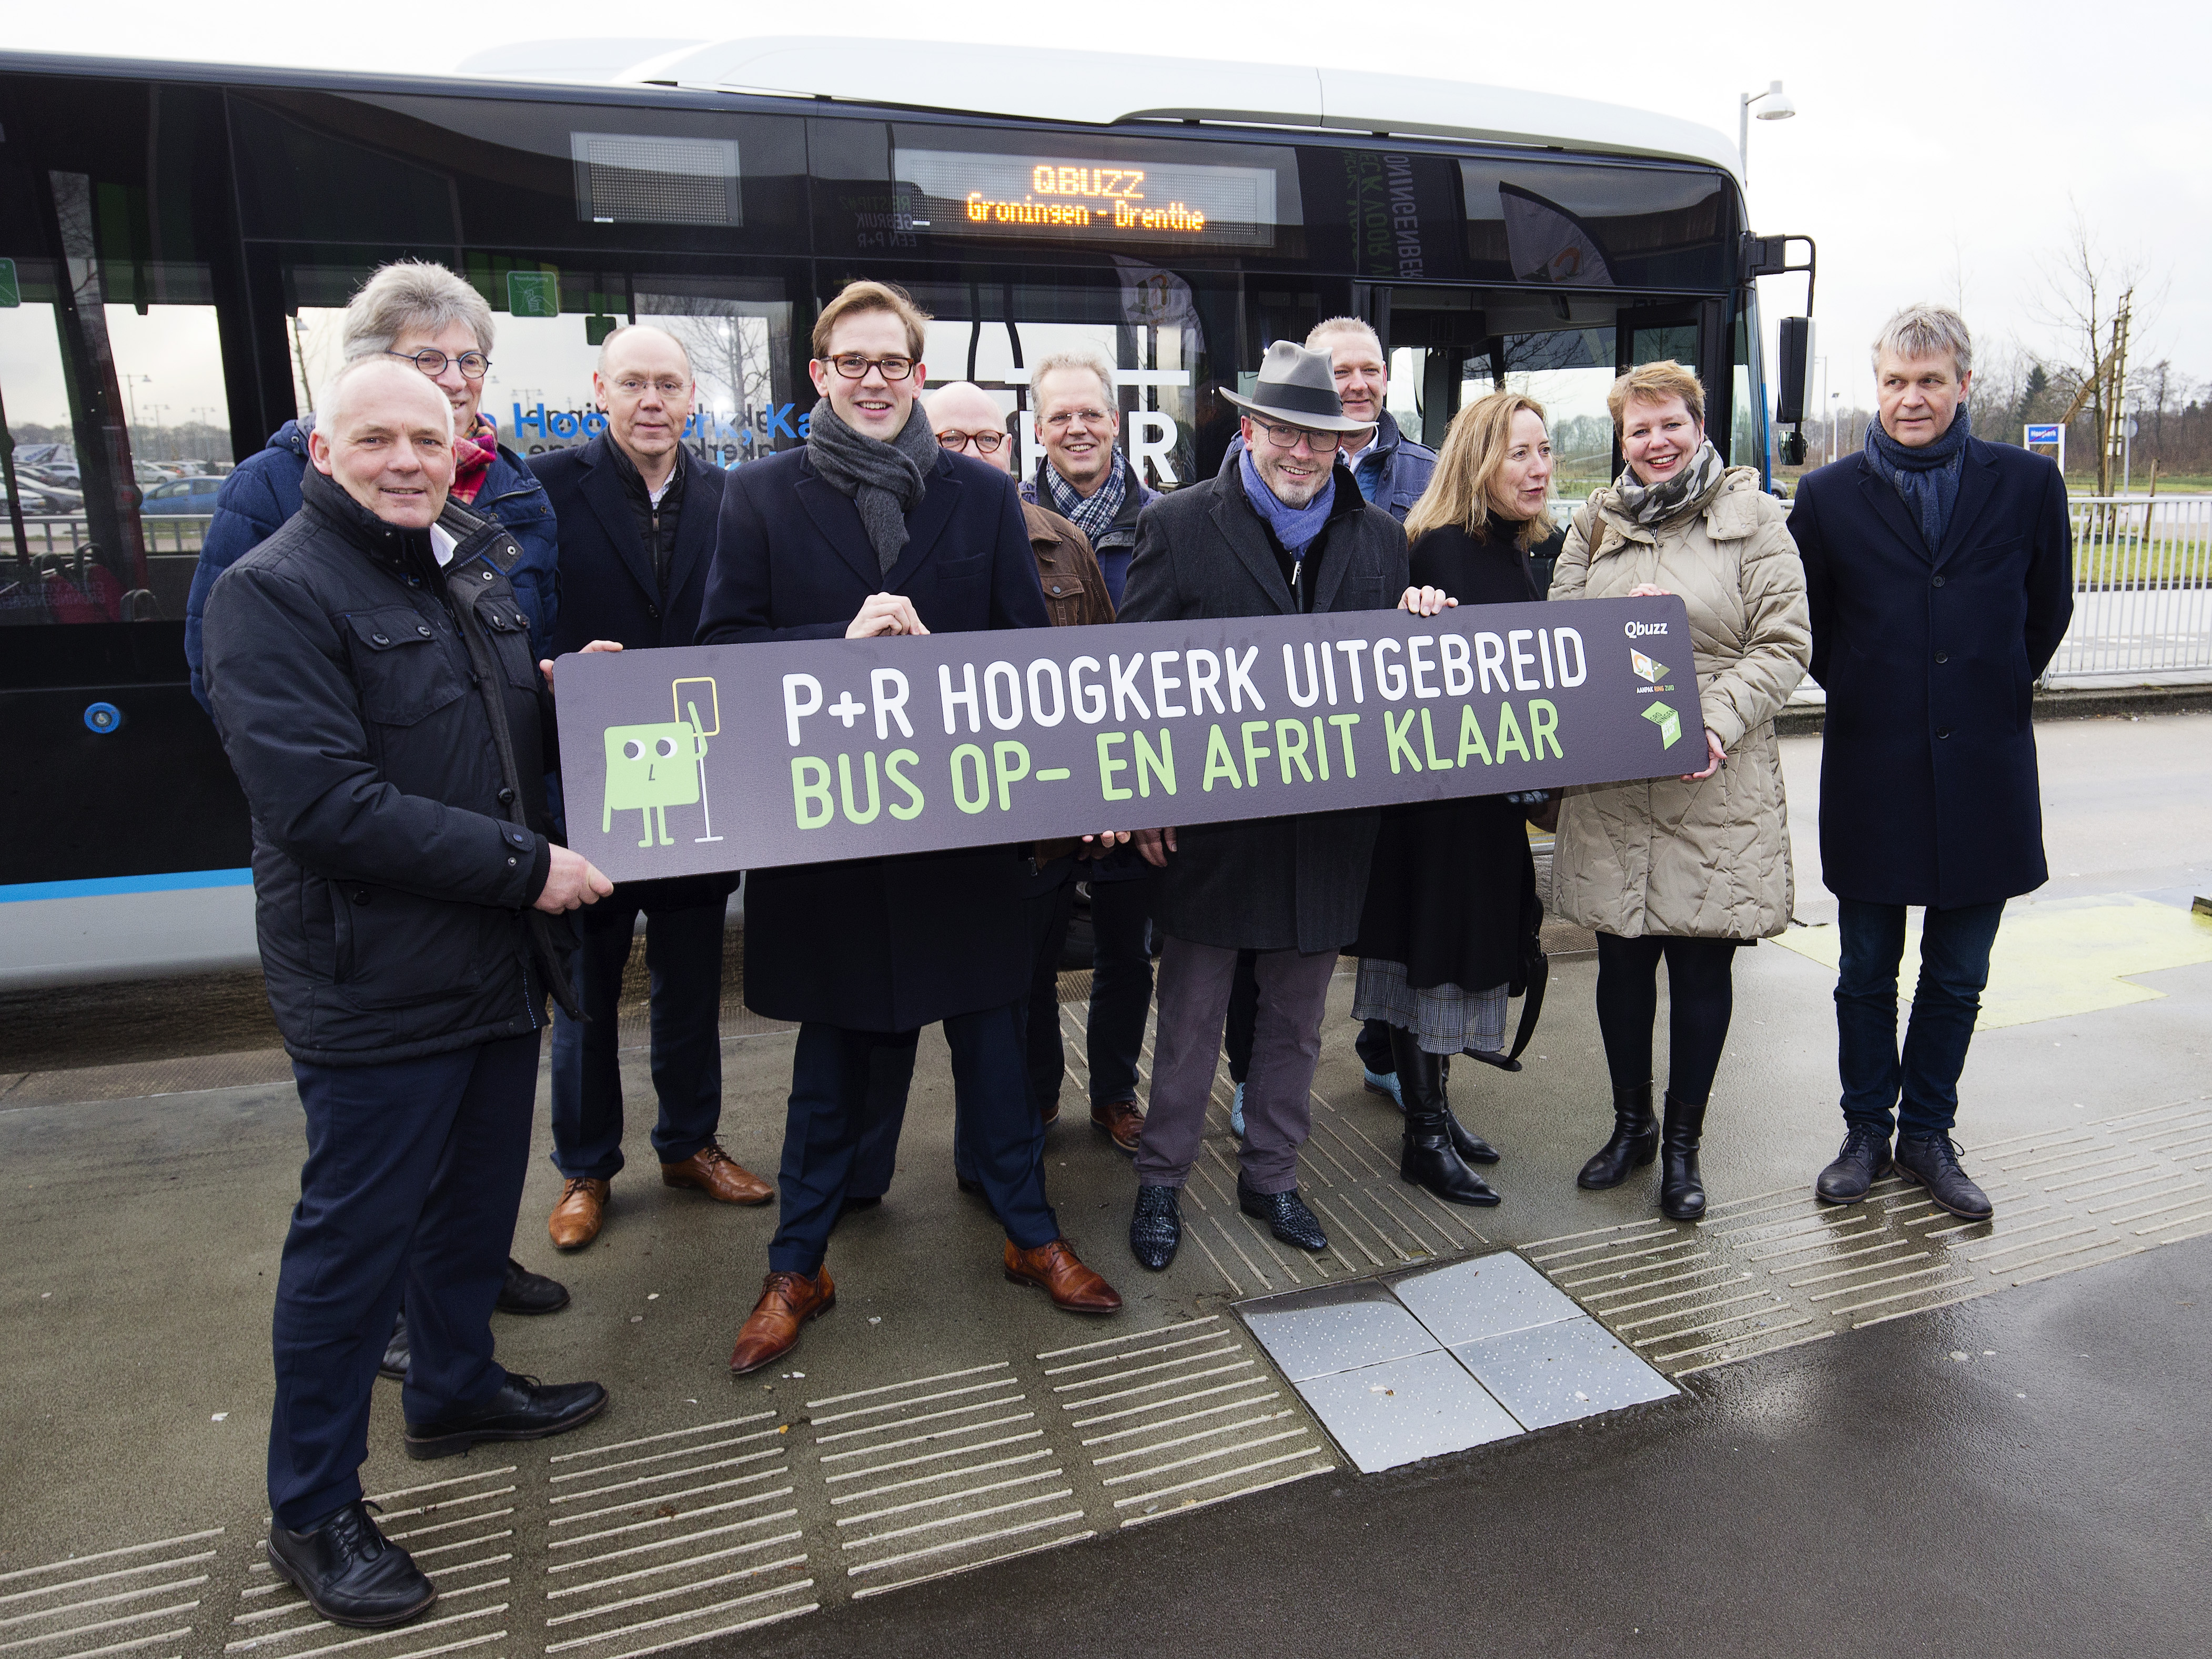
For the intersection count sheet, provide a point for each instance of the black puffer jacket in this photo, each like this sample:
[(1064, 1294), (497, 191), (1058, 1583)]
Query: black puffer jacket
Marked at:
[(388, 726)]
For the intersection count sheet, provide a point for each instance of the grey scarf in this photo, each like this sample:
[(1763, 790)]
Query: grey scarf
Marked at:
[(1652, 505), (885, 481)]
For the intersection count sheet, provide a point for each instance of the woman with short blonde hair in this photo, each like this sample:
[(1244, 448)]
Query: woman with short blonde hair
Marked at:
[(1451, 892), (1683, 867)]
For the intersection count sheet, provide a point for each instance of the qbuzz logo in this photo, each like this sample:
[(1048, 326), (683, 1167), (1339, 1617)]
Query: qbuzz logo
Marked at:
[(1637, 630)]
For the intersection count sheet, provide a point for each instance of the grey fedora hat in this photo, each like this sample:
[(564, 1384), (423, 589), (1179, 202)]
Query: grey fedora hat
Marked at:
[(1298, 387)]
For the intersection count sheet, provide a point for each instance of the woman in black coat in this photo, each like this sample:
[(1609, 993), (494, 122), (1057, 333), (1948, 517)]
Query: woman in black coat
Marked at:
[(1453, 889)]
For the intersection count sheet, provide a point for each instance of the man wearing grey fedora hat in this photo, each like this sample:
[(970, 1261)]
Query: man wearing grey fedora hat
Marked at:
[(1281, 531)]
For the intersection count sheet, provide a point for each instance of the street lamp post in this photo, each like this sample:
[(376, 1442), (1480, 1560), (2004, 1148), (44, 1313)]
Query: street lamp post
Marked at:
[(1778, 108)]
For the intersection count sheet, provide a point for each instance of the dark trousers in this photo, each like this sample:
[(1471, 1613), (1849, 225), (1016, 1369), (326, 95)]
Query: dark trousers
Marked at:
[(413, 1177), (890, 1061), (1700, 999), (683, 953), (838, 1100), (1372, 1045), (1954, 966), (1195, 980), (1120, 986)]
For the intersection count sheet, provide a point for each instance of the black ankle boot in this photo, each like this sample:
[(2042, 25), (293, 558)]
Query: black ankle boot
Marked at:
[(1635, 1139), (1427, 1156), (1681, 1186), (1471, 1148)]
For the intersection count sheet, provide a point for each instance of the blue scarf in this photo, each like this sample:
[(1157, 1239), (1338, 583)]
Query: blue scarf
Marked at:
[(1294, 526), (1926, 478)]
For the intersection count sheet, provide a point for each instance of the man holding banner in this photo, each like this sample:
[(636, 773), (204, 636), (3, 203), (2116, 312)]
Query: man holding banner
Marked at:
[(1281, 530), (873, 529)]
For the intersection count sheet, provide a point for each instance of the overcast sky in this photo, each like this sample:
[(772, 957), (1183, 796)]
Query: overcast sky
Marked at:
[(1941, 147)]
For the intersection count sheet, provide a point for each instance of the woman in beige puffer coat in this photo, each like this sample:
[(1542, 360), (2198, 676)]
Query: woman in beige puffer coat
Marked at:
[(1687, 868)]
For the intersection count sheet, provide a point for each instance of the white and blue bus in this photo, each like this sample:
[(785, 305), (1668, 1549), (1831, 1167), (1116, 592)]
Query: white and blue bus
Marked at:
[(177, 242)]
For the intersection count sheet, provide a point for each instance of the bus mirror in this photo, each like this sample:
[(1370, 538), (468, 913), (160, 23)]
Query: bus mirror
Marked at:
[(1793, 380)]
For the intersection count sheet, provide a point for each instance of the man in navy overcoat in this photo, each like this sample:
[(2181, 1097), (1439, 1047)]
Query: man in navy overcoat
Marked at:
[(1940, 570), (869, 529), (637, 516)]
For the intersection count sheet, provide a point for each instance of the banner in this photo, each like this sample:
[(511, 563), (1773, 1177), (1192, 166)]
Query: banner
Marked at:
[(685, 761)]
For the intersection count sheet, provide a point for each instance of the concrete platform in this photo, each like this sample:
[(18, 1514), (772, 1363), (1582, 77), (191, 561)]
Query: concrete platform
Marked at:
[(941, 1419)]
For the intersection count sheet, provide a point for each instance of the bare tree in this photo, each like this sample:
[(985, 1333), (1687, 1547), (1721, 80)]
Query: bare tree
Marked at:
[(733, 346), (2095, 302)]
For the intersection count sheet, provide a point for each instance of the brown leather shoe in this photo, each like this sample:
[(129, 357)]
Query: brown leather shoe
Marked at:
[(1121, 1122), (576, 1219), (721, 1177), (1054, 1269), (787, 1301)]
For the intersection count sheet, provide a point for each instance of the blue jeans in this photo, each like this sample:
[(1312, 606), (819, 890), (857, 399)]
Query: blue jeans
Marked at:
[(413, 1176), (1955, 966)]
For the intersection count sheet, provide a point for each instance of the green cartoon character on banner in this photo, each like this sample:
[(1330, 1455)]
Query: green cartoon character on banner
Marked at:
[(652, 767)]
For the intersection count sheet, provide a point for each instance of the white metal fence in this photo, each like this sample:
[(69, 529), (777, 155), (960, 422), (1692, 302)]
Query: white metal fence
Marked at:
[(2143, 589)]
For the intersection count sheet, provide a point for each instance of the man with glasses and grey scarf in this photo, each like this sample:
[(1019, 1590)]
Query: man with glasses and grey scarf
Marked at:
[(873, 529)]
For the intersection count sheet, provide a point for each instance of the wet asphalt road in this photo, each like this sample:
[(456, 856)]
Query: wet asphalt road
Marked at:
[(2030, 1474)]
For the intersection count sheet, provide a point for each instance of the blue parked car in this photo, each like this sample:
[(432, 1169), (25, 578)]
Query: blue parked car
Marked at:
[(181, 497)]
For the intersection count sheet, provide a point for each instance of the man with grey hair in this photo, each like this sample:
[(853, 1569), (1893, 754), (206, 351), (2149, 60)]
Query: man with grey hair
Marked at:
[(420, 312), (637, 513), (1085, 479), (371, 679), (1940, 572)]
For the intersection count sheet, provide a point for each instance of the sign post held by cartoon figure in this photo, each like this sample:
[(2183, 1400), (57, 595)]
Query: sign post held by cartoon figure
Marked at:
[(689, 706)]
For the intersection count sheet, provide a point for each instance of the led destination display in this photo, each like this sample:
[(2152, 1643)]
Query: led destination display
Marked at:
[(961, 193)]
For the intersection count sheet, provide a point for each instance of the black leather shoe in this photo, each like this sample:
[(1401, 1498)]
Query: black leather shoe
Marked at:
[(1932, 1160), (1635, 1141), (349, 1572), (1285, 1214), (527, 1292), (1471, 1147), (1862, 1160), (968, 1184), (853, 1205), (1155, 1227), (522, 1409), (394, 1363), (1426, 1156), (1681, 1184)]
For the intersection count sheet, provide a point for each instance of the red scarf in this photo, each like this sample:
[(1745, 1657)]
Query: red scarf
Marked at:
[(472, 459)]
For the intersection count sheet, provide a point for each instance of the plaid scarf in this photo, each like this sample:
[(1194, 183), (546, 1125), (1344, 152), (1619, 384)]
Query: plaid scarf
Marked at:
[(1094, 514), (472, 458), (1653, 505)]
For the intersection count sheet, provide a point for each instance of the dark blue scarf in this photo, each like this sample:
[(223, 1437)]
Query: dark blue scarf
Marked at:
[(1294, 526), (1926, 478)]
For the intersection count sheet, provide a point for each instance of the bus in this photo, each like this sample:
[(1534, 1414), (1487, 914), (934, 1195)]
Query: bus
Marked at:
[(178, 241)]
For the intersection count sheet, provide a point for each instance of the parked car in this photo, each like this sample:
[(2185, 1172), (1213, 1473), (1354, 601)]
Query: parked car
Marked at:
[(181, 497)]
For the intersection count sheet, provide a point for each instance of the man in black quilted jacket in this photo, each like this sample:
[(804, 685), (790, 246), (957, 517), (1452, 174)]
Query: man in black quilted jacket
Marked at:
[(370, 672)]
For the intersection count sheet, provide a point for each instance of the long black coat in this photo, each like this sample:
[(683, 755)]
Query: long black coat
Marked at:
[(876, 944), (1452, 890), (1262, 884), (606, 575), (398, 834), (1928, 782)]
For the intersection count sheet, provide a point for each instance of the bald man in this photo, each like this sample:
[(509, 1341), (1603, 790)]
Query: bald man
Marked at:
[(369, 670), (637, 511)]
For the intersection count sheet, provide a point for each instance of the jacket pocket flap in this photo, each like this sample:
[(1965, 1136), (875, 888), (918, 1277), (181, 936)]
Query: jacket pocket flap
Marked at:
[(388, 630)]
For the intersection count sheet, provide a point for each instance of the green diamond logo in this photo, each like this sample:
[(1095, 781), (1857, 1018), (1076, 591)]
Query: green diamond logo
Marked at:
[(1668, 722), (11, 291)]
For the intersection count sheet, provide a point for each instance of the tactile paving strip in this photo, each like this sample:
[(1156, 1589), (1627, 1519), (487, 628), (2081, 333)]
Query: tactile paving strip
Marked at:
[(1780, 1268), (1375, 1223), (94, 1605)]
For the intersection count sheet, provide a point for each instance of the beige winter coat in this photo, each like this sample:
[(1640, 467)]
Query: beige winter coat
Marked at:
[(1708, 859)]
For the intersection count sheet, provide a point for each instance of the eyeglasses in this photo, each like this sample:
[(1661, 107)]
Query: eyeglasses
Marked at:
[(986, 443), (1059, 423), (433, 362), (667, 386), (1290, 437), (852, 366)]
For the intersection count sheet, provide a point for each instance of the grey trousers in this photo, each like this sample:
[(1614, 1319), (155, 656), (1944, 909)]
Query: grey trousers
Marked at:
[(1194, 986)]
